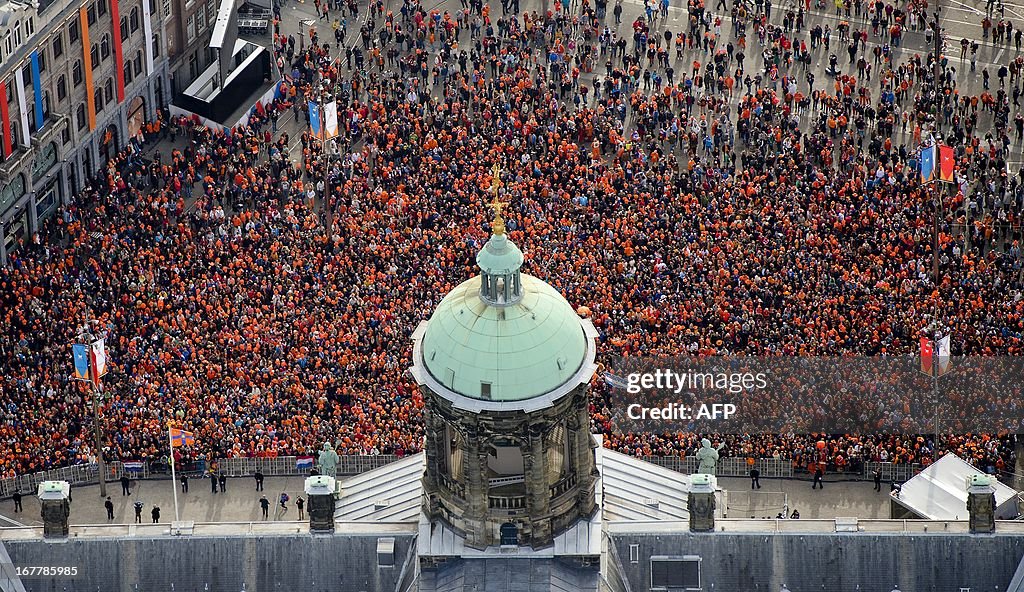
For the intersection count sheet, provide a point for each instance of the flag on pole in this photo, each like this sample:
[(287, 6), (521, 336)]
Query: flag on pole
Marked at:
[(99, 360), (80, 351), (314, 120), (927, 163), (133, 465), (331, 119), (304, 462), (943, 356), (181, 437), (927, 350), (947, 162)]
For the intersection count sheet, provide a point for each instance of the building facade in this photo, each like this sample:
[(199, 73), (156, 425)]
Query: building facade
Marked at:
[(188, 39), (78, 78)]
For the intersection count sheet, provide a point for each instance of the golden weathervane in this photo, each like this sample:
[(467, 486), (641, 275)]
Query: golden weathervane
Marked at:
[(498, 224)]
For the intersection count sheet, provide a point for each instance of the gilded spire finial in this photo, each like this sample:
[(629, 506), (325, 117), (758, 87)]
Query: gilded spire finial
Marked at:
[(498, 224)]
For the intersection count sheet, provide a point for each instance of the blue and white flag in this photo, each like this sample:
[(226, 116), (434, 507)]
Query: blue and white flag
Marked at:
[(928, 158), (81, 355), (314, 120)]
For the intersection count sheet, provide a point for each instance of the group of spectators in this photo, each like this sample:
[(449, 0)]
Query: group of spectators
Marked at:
[(697, 189)]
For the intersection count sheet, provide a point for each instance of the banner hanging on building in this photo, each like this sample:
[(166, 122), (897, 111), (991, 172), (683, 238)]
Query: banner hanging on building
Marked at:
[(37, 90)]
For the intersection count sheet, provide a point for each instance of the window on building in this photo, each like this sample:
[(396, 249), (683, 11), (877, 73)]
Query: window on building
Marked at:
[(138, 63), (42, 59), (201, 18), (127, 73), (8, 45), (98, 99), (73, 31), (15, 136), (65, 134), (670, 573), (94, 53), (46, 105), (76, 73), (91, 14), (193, 65), (105, 46), (80, 117), (135, 19), (108, 91), (10, 91), (211, 11), (101, 7), (62, 87), (17, 33), (124, 28), (30, 25), (26, 75), (166, 11), (58, 46), (32, 127), (156, 45), (190, 28)]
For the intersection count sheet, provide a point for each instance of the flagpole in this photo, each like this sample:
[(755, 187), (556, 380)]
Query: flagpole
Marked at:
[(174, 478)]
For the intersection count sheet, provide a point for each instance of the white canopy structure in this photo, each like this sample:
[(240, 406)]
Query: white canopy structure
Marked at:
[(940, 493)]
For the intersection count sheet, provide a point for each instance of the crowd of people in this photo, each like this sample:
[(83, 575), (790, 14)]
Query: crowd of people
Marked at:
[(697, 189)]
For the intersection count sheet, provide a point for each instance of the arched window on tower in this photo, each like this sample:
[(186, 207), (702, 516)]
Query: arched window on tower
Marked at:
[(454, 453), (556, 453)]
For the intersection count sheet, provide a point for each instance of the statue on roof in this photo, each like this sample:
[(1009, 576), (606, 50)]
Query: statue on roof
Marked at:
[(707, 457), (328, 461)]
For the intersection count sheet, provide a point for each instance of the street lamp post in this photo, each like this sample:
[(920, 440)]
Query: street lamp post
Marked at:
[(96, 389)]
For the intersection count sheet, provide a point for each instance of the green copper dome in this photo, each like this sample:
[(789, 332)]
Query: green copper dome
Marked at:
[(511, 352)]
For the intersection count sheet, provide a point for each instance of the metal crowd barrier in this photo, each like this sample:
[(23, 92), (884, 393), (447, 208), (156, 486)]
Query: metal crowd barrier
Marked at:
[(286, 465), (87, 474), (74, 474), (892, 472), (727, 467)]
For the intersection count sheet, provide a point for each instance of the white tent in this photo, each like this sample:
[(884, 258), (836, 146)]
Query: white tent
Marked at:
[(940, 493)]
